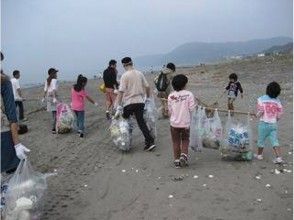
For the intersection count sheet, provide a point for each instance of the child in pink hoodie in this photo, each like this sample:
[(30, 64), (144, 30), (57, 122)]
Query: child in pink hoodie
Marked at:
[(180, 105)]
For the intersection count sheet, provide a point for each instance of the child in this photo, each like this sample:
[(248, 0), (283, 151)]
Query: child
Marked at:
[(233, 88), (78, 95), (50, 95), (269, 110), (180, 105)]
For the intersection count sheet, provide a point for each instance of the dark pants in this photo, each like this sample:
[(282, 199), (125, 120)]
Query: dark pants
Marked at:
[(80, 120), (180, 138), (19, 105), (9, 160), (138, 110)]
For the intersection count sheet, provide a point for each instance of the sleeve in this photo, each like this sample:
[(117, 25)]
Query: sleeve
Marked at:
[(123, 84), (8, 101), (280, 110), (85, 93), (113, 79), (240, 87), (145, 83), (45, 87), (191, 102), (228, 86), (259, 108)]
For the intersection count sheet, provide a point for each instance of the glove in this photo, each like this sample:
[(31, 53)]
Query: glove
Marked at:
[(54, 100), (96, 104), (43, 100), (115, 91), (21, 150)]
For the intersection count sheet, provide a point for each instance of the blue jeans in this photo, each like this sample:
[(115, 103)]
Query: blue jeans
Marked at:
[(80, 120)]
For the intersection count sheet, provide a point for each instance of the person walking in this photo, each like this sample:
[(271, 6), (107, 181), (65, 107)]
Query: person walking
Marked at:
[(18, 98), (50, 95), (132, 91), (163, 85), (111, 85)]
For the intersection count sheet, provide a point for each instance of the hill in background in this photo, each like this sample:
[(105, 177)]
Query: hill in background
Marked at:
[(201, 52)]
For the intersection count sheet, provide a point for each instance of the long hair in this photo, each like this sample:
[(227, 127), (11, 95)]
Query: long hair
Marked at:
[(81, 83), (49, 79)]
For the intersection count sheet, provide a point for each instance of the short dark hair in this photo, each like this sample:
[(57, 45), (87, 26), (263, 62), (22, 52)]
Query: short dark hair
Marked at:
[(2, 56), (233, 76), (171, 66), (112, 62), (52, 70), (127, 61), (179, 82), (273, 89), (15, 73)]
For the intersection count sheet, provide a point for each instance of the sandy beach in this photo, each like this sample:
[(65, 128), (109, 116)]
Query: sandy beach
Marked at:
[(96, 181)]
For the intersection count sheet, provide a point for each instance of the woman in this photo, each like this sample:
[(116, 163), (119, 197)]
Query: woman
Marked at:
[(50, 94), (12, 151)]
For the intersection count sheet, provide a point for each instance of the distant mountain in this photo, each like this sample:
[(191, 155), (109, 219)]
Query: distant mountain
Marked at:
[(201, 52), (284, 49)]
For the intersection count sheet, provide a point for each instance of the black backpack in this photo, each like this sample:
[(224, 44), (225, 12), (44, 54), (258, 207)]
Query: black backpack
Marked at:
[(162, 82)]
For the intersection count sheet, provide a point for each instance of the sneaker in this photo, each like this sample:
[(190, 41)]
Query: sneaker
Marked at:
[(53, 131), (177, 164), (184, 160), (108, 116), (258, 156), (278, 160), (81, 135), (149, 148)]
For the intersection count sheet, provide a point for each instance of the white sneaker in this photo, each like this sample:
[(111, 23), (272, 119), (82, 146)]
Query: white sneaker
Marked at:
[(258, 156), (278, 160)]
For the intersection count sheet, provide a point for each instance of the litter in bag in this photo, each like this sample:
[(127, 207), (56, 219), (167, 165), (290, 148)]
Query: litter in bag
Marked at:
[(214, 132), (65, 118), (24, 193), (237, 143), (195, 139), (150, 116), (120, 133)]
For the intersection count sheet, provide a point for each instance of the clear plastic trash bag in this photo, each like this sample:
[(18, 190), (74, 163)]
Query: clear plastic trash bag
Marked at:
[(120, 132), (237, 143), (151, 116), (214, 132), (24, 193), (65, 118), (195, 139)]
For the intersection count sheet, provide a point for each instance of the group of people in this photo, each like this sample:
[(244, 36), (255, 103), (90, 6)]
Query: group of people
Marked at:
[(128, 98)]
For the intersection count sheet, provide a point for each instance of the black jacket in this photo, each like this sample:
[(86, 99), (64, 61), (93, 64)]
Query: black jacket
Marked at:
[(109, 77), (235, 87)]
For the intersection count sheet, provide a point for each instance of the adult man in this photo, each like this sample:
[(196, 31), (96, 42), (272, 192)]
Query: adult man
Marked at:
[(17, 94), (163, 86), (111, 85), (132, 91)]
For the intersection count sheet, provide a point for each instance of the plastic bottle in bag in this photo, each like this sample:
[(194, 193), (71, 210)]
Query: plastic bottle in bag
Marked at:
[(238, 140)]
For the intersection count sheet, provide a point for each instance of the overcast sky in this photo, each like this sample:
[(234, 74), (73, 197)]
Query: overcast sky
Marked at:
[(80, 36)]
